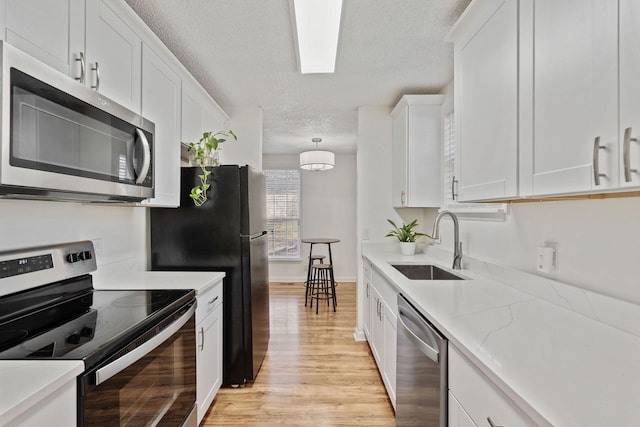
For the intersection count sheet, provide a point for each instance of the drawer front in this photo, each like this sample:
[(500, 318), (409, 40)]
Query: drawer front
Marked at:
[(387, 291), (479, 397), (208, 300)]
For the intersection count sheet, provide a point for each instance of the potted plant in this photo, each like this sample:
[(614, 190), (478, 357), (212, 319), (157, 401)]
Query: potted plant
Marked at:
[(205, 153), (406, 236)]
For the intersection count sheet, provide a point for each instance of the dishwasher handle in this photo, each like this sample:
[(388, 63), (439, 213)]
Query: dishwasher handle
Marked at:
[(430, 349)]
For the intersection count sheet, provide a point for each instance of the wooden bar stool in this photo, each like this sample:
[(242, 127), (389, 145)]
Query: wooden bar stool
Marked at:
[(307, 283), (323, 285)]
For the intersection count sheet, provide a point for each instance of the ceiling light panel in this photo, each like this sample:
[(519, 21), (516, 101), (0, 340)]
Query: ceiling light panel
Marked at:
[(318, 28)]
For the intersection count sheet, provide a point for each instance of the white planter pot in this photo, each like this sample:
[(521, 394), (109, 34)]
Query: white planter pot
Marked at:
[(408, 248)]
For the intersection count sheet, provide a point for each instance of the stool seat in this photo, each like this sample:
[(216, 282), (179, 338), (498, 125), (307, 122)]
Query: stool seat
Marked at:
[(322, 266)]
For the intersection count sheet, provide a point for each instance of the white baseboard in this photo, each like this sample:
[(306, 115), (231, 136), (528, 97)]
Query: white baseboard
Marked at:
[(358, 335)]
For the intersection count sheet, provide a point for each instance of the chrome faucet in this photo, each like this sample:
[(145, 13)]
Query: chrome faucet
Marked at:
[(457, 244)]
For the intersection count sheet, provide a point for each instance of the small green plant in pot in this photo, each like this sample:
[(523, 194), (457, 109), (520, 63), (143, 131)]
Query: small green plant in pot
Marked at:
[(406, 236), (205, 153)]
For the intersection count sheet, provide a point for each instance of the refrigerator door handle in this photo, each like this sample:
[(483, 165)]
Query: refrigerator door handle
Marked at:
[(255, 235)]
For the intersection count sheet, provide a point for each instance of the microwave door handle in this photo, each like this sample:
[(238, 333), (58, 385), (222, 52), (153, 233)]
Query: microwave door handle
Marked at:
[(146, 162)]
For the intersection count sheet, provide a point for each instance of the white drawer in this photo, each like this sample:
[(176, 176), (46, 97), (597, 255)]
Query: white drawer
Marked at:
[(479, 397), (387, 291), (208, 300)]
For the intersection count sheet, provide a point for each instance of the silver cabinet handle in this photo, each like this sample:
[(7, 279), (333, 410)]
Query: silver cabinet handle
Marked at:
[(368, 290), (491, 423), (80, 59), (96, 68), (596, 160), (453, 188), (402, 198), (138, 353), (202, 339), (212, 301), (146, 161), (626, 155)]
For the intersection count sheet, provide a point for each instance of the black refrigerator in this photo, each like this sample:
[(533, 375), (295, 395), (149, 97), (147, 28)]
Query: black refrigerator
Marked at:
[(227, 233)]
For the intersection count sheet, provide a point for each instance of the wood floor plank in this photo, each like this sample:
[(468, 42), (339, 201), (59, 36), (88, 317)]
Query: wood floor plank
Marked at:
[(314, 374)]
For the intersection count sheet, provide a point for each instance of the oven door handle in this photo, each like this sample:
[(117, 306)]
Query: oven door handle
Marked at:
[(138, 353)]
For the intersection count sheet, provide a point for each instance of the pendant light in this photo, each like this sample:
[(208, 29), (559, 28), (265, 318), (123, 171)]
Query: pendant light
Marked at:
[(317, 160)]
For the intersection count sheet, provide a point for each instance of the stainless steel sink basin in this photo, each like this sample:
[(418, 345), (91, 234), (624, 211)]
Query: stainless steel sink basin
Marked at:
[(425, 272)]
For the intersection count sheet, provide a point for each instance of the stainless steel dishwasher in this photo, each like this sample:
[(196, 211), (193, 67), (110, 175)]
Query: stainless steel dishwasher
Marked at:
[(421, 373)]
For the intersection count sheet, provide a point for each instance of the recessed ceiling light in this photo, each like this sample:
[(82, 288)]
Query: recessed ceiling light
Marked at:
[(317, 25)]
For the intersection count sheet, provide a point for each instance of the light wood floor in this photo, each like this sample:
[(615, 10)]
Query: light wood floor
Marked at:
[(314, 374)]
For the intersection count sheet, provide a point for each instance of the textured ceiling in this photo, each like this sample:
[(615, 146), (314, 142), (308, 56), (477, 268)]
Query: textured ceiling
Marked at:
[(243, 54)]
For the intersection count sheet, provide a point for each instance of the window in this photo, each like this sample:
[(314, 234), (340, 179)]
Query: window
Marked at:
[(478, 211), (283, 213)]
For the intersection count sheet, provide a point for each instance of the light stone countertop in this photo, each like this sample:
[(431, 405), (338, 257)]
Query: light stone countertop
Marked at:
[(198, 280), (24, 383), (560, 366)]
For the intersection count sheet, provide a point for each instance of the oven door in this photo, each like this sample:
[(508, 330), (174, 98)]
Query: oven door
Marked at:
[(151, 382)]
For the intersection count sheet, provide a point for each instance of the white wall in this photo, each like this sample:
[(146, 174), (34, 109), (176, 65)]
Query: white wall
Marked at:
[(246, 123), (122, 230), (328, 210)]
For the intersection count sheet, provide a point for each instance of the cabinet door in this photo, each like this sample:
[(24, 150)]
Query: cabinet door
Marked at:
[(161, 105), (367, 309), (390, 346), (574, 95), (52, 32), (377, 328), (486, 90), (399, 158), (114, 55), (58, 409), (458, 417), (192, 114), (629, 92), (209, 362)]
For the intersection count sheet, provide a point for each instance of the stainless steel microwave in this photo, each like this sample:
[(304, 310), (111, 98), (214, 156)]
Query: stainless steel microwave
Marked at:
[(62, 140)]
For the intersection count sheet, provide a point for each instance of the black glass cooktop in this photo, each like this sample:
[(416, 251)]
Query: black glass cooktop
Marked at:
[(71, 320)]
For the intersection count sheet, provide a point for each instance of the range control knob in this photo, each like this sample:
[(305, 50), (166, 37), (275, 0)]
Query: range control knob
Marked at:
[(73, 339), (86, 332), (72, 257)]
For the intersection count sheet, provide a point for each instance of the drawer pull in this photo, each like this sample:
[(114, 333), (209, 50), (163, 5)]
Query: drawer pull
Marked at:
[(491, 423), (202, 340), (214, 300)]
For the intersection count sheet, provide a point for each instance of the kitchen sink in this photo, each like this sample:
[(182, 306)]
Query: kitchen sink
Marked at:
[(425, 272)]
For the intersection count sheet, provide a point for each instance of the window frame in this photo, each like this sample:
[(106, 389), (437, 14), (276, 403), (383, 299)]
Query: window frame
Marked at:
[(298, 239)]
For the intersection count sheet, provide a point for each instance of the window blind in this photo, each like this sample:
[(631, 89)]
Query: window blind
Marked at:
[(283, 213)]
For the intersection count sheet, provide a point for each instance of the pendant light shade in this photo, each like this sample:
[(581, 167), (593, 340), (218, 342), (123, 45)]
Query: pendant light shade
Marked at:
[(317, 160)]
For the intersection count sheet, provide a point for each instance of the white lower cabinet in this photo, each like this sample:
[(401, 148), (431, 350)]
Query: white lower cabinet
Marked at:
[(458, 417), (366, 277), (209, 342), (382, 332), (56, 410), (478, 397)]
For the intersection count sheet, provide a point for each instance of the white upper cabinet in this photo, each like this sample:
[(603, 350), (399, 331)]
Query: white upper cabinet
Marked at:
[(486, 100), (161, 105), (86, 40), (199, 113), (574, 51), (113, 55), (416, 151), (52, 32), (629, 32)]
